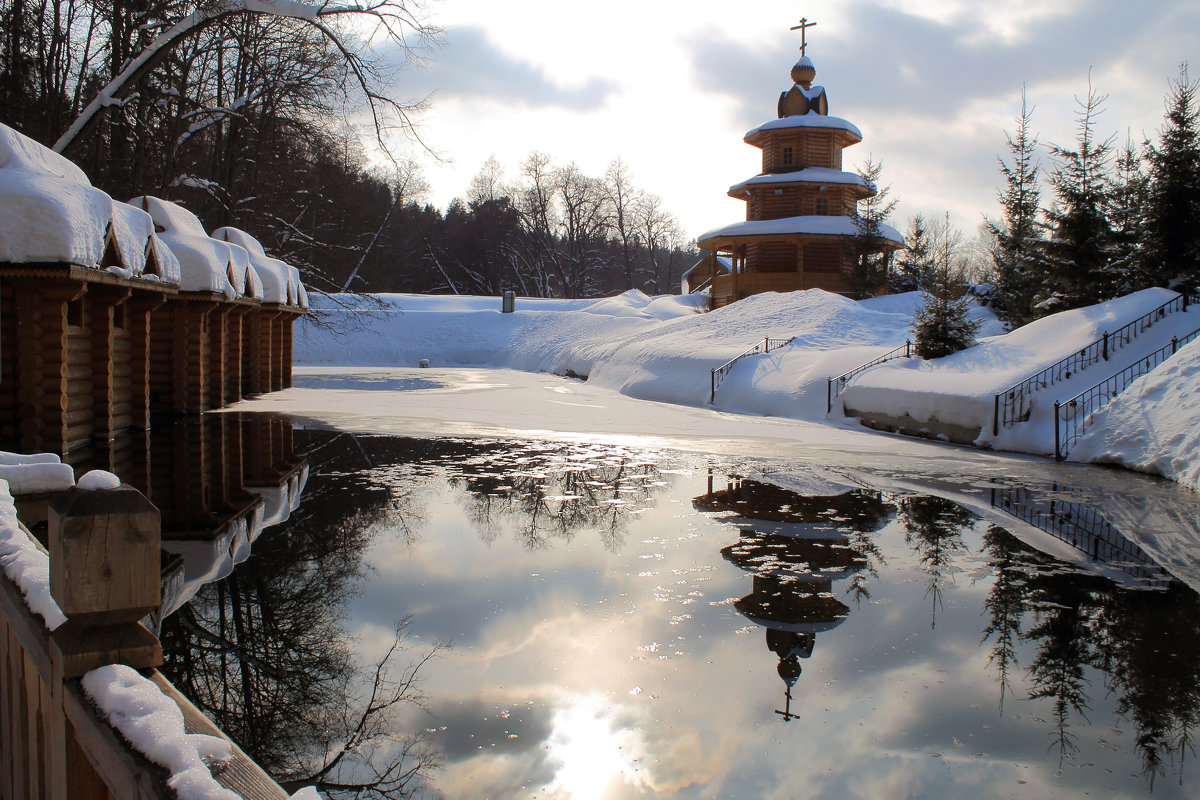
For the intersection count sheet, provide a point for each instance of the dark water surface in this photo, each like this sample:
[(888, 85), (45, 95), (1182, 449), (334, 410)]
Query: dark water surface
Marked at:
[(610, 622)]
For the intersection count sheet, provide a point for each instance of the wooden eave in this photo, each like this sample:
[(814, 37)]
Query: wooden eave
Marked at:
[(74, 272), (861, 192), (729, 242), (842, 138)]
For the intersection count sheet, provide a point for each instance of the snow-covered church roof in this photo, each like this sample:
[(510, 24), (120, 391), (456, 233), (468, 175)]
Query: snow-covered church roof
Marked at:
[(809, 175), (802, 226), (809, 120)]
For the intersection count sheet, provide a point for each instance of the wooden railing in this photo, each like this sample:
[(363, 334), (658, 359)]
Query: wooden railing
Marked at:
[(53, 743)]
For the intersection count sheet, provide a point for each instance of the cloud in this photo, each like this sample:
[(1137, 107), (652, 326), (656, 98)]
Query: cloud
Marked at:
[(891, 60), (469, 66)]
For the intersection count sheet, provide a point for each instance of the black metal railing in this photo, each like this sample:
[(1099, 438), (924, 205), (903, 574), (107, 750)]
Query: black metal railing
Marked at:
[(1072, 416), (763, 347), (1085, 529), (1015, 403), (835, 386)]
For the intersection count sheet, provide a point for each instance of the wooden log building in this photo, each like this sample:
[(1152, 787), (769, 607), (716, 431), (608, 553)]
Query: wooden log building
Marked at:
[(113, 314), (800, 209)]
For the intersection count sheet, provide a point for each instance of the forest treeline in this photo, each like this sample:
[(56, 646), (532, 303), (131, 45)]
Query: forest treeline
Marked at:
[(240, 121), (1079, 222)]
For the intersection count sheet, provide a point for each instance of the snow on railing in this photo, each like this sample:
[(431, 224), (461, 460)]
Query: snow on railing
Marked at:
[(718, 374), (1072, 416), (835, 386), (1015, 404)]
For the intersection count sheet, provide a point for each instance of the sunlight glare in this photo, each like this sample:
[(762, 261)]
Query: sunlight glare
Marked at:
[(589, 747)]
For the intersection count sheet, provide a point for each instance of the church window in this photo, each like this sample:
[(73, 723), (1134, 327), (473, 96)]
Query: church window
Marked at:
[(788, 156), (822, 206)]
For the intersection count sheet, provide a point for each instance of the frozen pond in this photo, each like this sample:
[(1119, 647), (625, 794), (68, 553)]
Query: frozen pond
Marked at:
[(628, 619)]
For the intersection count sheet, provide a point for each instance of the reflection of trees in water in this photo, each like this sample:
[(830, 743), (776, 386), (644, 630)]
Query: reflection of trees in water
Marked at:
[(933, 529), (264, 653), (1146, 644), (551, 491)]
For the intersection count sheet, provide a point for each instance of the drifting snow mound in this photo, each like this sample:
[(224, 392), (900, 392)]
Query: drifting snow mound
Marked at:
[(1151, 426)]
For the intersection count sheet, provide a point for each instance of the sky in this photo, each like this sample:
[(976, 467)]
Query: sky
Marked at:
[(671, 88)]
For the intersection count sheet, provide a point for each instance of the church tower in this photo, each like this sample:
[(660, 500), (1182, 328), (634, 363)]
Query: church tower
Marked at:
[(800, 208)]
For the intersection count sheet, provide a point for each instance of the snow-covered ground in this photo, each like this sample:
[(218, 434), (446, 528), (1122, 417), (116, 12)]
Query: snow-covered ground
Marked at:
[(664, 349)]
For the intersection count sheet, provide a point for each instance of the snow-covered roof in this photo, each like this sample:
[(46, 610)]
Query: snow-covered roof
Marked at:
[(809, 120), (51, 213), (812, 226), (810, 175), (205, 263), (280, 282)]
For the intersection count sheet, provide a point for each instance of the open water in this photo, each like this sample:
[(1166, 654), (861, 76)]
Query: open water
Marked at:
[(584, 619)]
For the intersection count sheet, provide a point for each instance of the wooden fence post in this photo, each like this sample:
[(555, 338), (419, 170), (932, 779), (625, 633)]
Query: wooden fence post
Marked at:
[(105, 576)]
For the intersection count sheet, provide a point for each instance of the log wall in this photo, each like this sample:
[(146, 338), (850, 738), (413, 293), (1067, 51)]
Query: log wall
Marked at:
[(85, 355)]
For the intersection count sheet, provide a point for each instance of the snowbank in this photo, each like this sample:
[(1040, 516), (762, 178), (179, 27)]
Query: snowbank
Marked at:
[(959, 390), (279, 282), (1152, 425), (51, 213), (662, 349), (205, 264), (649, 348)]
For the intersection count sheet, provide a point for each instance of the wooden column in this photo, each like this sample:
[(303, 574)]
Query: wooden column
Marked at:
[(287, 323), (110, 374), (235, 354), (42, 368), (138, 319), (9, 419), (215, 358)]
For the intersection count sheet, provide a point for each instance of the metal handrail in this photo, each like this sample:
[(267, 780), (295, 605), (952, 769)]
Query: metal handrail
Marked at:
[(1085, 529), (1071, 416), (1013, 404), (718, 374), (841, 380)]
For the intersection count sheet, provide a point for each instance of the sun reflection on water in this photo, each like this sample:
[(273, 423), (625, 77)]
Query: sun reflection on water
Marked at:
[(593, 751)]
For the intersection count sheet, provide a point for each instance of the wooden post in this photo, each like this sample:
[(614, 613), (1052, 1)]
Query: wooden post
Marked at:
[(104, 575)]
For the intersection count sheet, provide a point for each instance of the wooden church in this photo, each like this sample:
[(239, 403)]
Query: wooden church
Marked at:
[(800, 208)]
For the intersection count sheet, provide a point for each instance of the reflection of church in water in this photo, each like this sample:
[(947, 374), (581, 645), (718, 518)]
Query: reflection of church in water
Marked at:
[(798, 548)]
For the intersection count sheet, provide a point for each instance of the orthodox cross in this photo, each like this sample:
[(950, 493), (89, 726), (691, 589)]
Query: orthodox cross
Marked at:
[(802, 27), (787, 714)]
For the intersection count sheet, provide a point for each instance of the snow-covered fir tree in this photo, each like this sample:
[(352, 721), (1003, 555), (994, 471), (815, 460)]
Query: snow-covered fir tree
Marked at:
[(1173, 220), (1130, 195), (1013, 241), (1077, 261), (912, 264), (943, 325), (868, 249)]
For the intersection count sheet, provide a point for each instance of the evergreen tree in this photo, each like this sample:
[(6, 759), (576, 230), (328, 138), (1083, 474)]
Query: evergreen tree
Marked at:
[(1014, 240), (1130, 196), (942, 325), (870, 250), (913, 265), (1077, 262), (1173, 209)]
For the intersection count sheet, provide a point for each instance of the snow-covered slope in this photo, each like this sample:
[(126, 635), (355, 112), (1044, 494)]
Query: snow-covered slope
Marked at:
[(1152, 425), (960, 390)]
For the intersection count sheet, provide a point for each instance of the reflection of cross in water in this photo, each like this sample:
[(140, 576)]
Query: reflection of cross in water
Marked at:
[(803, 28), (787, 714)]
